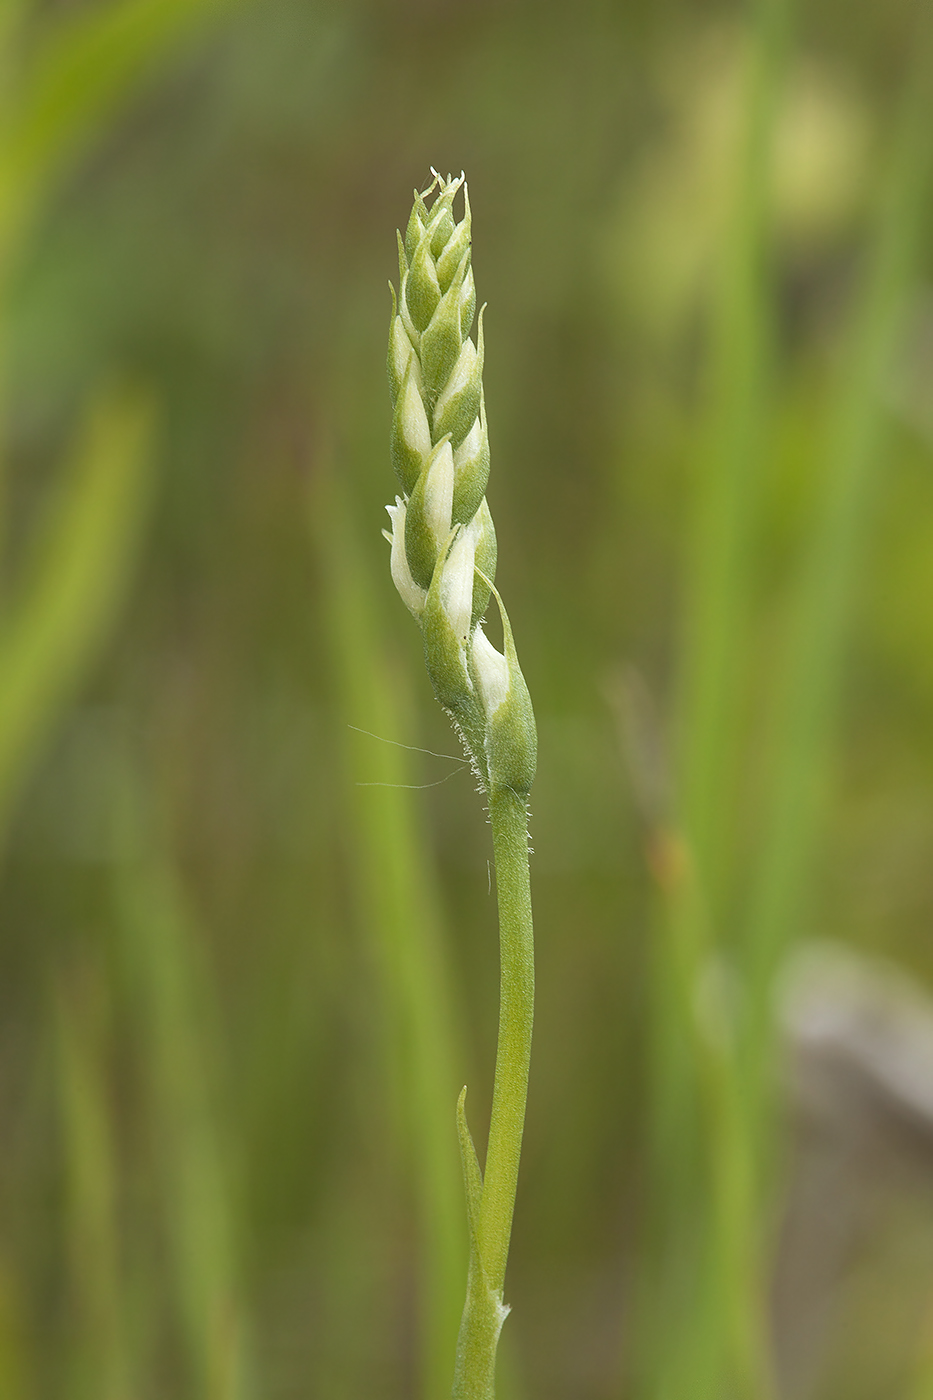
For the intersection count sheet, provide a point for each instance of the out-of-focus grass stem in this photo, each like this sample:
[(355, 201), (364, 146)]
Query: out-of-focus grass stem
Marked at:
[(808, 686), (723, 1336), (176, 1017), (58, 91), (74, 581), (732, 454), (100, 1365)]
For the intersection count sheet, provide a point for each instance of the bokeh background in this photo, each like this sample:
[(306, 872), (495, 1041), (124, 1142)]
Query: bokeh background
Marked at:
[(248, 952)]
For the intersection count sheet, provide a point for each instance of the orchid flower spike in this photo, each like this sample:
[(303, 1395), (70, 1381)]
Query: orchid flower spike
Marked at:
[(443, 556)]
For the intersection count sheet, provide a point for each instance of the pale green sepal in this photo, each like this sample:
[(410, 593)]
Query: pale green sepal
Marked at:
[(452, 255), (441, 220), (458, 405), (441, 341), (422, 290), (441, 228), (410, 442), (467, 303), (485, 559), (511, 734), (471, 467), (428, 521), (420, 545), (445, 625), (401, 353), (414, 335), (416, 222), (402, 260)]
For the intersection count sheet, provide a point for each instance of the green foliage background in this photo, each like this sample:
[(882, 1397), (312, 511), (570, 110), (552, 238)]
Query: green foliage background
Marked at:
[(241, 983)]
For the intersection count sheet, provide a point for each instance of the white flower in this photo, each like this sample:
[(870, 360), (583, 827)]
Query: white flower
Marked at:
[(439, 492), (456, 591), (411, 594), (492, 672), (416, 434)]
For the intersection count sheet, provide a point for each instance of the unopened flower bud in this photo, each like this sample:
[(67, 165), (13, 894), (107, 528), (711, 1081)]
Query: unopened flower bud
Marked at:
[(471, 469), (411, 436), (511, 734), (458, 244), (422, 290), (429, 513), (458, 403), (401, 356), (442, 339)]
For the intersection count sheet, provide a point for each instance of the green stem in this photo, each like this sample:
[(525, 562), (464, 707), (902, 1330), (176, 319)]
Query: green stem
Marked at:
[(484, 1312), (509, 818)]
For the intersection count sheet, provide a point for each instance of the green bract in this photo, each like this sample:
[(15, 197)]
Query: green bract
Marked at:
[(443, 541)]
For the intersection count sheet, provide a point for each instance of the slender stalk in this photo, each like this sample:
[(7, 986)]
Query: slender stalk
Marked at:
[(491, 1203), (509, 817)]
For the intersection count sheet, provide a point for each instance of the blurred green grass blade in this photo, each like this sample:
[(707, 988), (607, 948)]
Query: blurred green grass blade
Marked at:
[(702, 1243), (74, 581), (732, 456), (177, 1027), (921, 1384), (70, 86), (390, 874), (16, 1371), (808, 687), (99, 1367)]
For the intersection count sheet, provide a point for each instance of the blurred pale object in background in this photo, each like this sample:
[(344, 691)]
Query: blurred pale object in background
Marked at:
[(859, 1223)]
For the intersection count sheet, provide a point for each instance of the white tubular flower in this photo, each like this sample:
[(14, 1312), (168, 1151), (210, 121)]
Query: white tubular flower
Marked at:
[(457, 585), (411, 435), (439, 493), (492, 673), (411, 594)]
